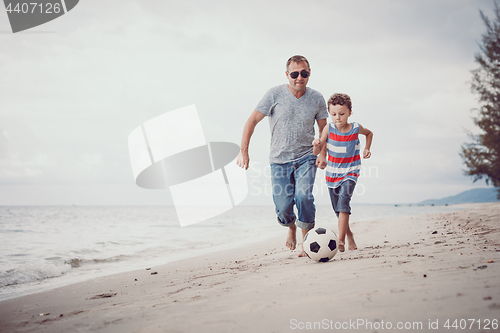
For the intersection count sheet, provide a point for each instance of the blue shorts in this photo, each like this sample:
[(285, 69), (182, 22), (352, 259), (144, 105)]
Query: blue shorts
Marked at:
[(341, 197)]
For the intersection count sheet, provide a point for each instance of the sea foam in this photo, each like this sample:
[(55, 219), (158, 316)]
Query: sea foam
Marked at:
[(33, 272)]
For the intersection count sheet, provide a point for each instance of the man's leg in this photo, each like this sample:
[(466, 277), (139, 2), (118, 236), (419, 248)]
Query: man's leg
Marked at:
[(305, 174), (283, 197)]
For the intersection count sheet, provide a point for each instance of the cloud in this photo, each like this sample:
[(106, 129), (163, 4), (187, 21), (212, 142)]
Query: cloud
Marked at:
[(4, 144), (70, 98)]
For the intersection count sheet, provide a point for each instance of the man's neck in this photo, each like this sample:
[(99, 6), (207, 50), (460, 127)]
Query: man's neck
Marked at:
[(297, 93)]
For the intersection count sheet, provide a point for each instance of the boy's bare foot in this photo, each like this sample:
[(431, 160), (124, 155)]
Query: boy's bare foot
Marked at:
[(341, 246), (351, 242), (291, 239)]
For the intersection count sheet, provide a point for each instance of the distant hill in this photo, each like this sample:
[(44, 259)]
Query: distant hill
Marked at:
[(470, 196)]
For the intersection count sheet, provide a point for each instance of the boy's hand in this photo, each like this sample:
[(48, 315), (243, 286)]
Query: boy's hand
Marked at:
[(315, 142), (367, 153), (321, 161)]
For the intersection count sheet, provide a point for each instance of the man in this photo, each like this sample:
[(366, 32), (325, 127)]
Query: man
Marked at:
[(292, 110)]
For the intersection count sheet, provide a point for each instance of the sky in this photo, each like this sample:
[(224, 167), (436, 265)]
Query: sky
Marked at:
[(73, 89)]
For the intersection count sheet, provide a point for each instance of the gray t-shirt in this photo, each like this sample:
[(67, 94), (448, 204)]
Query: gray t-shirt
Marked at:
[(291, 121)]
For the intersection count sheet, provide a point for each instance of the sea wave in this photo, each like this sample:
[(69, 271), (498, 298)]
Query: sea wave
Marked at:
[(49, 269), (77, 262), (33, 272)]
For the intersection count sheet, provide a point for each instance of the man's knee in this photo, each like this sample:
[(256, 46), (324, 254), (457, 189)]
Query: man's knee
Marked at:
[(284, 206), (304, 197)]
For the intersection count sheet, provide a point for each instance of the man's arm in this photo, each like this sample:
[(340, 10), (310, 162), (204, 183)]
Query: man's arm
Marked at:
[(243, 159), (321, 160)]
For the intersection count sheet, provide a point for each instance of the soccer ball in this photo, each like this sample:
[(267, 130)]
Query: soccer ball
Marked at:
[(320, 244)]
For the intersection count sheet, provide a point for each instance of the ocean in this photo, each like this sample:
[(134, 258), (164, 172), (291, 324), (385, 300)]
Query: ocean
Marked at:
[(44, 247)]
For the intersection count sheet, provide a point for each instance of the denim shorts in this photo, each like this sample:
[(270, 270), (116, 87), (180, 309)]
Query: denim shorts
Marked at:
[(293, 186), (341, 197)]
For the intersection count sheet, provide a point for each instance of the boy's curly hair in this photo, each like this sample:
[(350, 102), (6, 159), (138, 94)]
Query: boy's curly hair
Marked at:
[(340, 99)]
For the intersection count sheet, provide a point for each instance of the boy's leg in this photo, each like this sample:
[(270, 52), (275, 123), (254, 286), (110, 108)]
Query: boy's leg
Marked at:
[(343, 227), (334, 198), (305, 174), (345, 230), (344, 209), (350, 239)]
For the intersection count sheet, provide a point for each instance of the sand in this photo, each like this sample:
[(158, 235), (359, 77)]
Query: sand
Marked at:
[(409, 274)]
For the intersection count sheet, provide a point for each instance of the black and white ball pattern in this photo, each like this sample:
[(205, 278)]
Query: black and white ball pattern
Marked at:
[(321, 244)]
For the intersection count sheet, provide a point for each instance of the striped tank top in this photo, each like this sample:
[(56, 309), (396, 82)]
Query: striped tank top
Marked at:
[(343, 155)]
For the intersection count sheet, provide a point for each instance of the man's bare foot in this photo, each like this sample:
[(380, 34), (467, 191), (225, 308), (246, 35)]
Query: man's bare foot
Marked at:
[(302, 252), (291, 239), (341, 246), (351, 242)]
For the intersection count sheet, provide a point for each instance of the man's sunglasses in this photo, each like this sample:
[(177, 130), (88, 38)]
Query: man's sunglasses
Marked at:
[(302, 73)]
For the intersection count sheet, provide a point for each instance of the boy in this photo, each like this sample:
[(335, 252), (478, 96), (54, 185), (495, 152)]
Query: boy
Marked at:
[(343, 164)]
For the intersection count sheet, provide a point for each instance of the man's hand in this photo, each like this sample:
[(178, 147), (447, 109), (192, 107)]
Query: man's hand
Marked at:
[(243, 160), (321, 161)]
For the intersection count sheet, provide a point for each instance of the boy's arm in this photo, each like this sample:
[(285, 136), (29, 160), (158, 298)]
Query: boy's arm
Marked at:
[(243, 159), (369, 138)]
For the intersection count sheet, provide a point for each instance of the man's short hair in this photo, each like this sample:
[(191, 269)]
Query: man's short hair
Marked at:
[(340, 99), (297, 59)]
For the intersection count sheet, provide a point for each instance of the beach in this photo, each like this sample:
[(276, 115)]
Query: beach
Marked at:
[(427, 273)]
